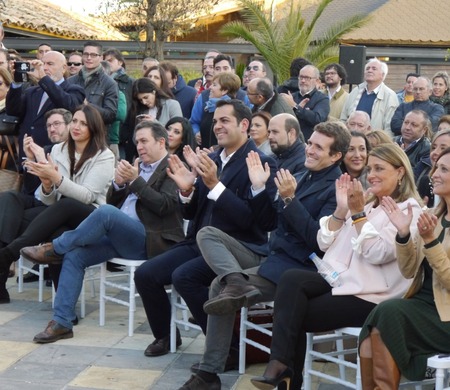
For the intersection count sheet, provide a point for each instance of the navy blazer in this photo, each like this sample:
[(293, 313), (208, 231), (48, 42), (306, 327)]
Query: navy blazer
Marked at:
[(314, 112), (296, 235), (231, 212), (25, 104)]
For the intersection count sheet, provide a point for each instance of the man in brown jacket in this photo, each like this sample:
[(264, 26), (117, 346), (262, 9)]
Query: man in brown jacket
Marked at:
[(142, 220)]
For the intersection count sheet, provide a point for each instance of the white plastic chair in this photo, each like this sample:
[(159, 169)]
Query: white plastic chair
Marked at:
[(245, 325), (442, 366), (22, 266), (178, 304), (338, 357), (130, 287)]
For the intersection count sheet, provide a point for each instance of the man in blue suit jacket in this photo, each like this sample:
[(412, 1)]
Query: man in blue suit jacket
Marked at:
[(32, 104), (299, 210), (216, 192)]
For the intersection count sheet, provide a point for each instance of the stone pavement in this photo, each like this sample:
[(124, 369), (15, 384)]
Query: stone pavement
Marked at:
[(97, 357)]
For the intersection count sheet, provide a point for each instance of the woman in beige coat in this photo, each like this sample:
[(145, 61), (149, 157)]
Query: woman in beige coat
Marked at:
[(400, 334)]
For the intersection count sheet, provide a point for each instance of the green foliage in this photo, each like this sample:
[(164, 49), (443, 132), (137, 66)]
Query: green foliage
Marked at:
[(190, 74), (279, 41)]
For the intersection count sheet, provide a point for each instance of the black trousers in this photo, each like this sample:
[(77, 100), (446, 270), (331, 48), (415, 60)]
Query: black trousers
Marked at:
[(304, 303), (17, 210), (66, 214)]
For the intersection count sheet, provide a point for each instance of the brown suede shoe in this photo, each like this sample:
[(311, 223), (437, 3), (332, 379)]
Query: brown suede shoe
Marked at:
[(41, 254), (231, 299), (53, 332), (161, 347), (198, 383)]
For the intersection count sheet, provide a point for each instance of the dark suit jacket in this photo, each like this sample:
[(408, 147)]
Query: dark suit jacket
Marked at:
[(25, 104), (231, 212), (296, 235), (315, 111), (157, 208)]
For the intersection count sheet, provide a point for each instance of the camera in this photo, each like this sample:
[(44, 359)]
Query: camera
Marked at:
[(20, 71)]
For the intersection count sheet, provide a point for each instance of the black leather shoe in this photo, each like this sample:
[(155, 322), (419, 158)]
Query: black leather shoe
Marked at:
[(197, 383), (4, 296), (231, 299), (52, 333), (161, 347)]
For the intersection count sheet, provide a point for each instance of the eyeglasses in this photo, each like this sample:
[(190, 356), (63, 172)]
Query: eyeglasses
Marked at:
[(330, 73), (254, 67), (306, 78), (91, 55), (54, 124), (74, 64)]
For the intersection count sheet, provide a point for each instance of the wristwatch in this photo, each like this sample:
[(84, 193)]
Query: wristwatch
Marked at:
[(288, 200)]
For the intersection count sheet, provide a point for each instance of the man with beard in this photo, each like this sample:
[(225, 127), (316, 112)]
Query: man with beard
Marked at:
[(287, 143)]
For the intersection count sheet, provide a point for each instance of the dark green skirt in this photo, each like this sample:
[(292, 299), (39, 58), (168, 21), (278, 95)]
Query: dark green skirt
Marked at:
[(412, 331)]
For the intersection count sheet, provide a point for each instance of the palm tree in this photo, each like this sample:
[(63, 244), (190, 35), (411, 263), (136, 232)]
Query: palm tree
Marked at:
[(280, 41)]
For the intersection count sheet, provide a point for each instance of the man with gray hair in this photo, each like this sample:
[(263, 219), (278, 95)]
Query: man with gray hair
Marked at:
[(373, 97), (309, 104), (261, 94), (359, 121), (422, 89)]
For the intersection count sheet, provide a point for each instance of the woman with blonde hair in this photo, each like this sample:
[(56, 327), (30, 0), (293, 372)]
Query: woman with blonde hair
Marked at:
[(440, 92), (400, 334), (378, 137), (358, 241)]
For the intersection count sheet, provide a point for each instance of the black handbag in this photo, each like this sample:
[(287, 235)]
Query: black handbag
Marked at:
[(9, 124)]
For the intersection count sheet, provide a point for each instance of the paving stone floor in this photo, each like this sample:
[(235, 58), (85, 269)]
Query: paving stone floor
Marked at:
[(97, 357)]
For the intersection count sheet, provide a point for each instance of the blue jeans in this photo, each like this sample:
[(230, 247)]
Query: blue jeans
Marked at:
[(105, 234)]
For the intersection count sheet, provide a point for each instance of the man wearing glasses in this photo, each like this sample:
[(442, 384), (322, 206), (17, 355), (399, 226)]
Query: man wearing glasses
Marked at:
[(100, 89), (309, 104), (256, 69)]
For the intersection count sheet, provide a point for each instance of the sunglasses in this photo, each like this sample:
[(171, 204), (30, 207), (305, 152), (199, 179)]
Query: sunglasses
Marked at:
[(254, 67), (74, 63)]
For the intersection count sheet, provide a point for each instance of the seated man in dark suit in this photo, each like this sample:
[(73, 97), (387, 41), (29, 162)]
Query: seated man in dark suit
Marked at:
[(215, 193), (300, 208)]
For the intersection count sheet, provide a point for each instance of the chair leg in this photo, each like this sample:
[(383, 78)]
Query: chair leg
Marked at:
[(132, 301), (102, 294)]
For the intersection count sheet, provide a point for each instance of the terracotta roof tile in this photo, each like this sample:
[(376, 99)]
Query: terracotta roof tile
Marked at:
[(406, 22), (42, 17)]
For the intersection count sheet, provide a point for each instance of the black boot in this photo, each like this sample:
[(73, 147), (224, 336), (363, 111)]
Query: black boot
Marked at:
[(6, 259), (4, 295)]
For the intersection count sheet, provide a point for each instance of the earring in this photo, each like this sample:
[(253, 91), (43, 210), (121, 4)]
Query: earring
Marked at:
[(399, 181)]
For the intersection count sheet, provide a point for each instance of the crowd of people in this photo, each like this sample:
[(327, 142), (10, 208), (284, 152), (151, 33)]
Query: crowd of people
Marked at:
[(265, 175)]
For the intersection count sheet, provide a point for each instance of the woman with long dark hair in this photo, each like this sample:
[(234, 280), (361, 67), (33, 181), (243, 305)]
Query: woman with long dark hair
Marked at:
[(152, 104), (180, 134), (355, 160), (74, 181)]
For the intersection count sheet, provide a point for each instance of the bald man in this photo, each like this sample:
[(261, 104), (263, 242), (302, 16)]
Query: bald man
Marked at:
[(32, 103)]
